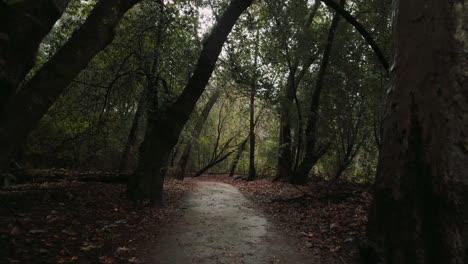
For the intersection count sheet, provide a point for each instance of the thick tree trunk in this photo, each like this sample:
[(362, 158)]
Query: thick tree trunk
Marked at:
[(310, 155), (25, 109), (182, 166), (252, 172), (164, 128), (420, 201), (23, 25)]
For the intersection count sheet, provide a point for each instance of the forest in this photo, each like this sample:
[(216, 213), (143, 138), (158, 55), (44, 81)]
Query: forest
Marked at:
[(234, 131)]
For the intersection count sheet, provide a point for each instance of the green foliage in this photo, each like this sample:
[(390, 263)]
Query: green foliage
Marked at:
[(89, 125)]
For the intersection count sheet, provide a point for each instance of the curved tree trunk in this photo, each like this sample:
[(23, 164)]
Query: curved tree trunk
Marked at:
[(26, 108), (420, 202), (164, 128), (182, 166), (310, 155), (23, 26), (362, 30)]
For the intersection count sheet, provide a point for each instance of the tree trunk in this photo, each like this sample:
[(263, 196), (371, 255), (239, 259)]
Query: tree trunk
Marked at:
[(164, 127), (285, 152), (235, 162), (25, 109), (252, 172), (149, 96), (213, 163), (284, 166), (182, 166), (420, 202), (23, 25), (129, 150), (310, 155)]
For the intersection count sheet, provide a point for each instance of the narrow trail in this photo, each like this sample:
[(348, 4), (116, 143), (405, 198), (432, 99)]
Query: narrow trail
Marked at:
[(219, 225)]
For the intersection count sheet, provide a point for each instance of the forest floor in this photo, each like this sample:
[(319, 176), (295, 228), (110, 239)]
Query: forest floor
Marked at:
[(72, 222), (84, 223)]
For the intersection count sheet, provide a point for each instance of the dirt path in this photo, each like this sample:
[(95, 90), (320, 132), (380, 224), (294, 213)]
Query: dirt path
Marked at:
[(219, 225)]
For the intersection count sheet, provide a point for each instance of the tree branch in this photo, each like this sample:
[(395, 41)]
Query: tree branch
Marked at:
[(360, 28)]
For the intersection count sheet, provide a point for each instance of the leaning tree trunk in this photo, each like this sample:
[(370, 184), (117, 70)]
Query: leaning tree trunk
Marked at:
[(23, 25), (213, 163), (182, 166), (235, 162), (164, 128), (420, 201), (310, 155), (25, 109)]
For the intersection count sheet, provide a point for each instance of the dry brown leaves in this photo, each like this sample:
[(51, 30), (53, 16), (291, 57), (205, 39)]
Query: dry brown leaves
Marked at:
[(72, 222)]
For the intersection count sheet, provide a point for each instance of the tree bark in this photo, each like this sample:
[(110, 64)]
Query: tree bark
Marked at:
[(182, 166), (25, 109), (420, 201), (164, 128), (23, 25), (310, 155)]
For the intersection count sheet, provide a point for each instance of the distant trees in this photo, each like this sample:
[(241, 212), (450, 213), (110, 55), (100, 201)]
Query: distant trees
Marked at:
[(420, 203), (299, 57), (195, 135), (311, 154), (270, 70), (302, 34)]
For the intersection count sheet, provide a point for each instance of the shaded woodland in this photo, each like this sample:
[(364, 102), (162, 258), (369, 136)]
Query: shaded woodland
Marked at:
[(358, 105)]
